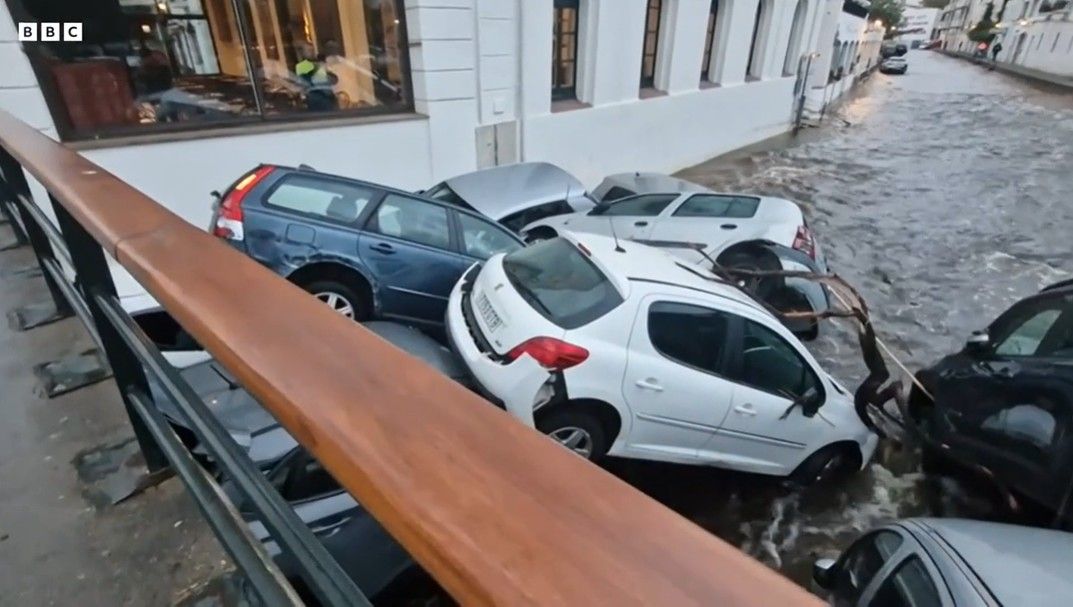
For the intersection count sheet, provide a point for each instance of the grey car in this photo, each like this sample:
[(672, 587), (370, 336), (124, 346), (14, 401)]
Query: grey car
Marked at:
[(945, 562), (515, 194), (622, 185), (251, 425)]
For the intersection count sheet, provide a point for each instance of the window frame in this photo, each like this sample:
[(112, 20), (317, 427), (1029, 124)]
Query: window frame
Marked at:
[(1013, 319), (894, 565), (613, 203), (170, 131), (731, 197), (709, 42), (733, 334), (564, 93), (357, 222), (737, 361), (456, 219), (371, 223), (649, 81), (905, 546)]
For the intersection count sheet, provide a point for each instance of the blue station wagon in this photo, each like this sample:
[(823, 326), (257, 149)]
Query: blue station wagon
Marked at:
[(365, 249)]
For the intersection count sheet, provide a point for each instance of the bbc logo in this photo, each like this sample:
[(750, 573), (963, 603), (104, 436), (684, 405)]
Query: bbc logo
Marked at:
[(50, 32)]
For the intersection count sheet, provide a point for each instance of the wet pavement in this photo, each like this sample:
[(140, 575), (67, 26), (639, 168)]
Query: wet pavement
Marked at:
[(943, 195)]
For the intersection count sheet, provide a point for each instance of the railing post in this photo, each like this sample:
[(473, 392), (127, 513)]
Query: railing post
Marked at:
[(14, 185), (6, 160), (92, 277)]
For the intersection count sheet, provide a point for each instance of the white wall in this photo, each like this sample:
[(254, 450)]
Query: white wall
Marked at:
[(1040, 51)]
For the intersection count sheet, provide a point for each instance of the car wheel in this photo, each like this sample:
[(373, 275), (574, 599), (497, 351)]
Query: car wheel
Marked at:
[(579, 431), (829, 464), (539, 234), (343, 298), (762, 287)]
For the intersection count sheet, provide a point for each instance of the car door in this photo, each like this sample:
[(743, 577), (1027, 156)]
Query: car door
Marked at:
[(673, 383), (766, 429), (710, 219), (909, 581), (410, 246), (861, 564), (1009, 406)]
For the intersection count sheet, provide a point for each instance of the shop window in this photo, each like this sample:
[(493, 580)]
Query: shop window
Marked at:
[(651, 43), (171, 65), (564, 50)]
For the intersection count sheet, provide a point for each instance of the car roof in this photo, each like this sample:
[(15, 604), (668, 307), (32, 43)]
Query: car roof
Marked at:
[(646, 183), (645, 263), (502, 190), (1024, 566)]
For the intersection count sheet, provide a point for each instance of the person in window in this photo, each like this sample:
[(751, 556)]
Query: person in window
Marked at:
[(317, 80)]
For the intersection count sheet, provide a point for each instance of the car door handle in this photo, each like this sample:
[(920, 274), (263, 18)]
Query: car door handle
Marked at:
[(649, 384), (729, 226), (745, 410), (640, 224), (325, 531), (383, 247)]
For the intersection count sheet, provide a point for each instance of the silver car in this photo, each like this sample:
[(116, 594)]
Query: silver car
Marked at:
[(515, 194), (946, 562)]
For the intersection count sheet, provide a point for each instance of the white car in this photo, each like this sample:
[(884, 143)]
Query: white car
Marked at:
[(618, 348), (731, 229)]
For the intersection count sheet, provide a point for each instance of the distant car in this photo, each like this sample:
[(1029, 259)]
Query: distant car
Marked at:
[(951, 562), (731, 229), (376, 563), (618, 348), (364, 249), (250, 424), (515, 194), (1004, 403), (894, 65)]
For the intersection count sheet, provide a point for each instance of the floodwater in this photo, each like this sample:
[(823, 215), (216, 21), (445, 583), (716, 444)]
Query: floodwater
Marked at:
[(944, 196)]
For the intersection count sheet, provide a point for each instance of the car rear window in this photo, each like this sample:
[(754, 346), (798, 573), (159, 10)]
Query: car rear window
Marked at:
[(561, 283), (706, 205), (327, 198)]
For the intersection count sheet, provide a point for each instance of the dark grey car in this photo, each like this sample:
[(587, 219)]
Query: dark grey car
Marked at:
[(945, 562)]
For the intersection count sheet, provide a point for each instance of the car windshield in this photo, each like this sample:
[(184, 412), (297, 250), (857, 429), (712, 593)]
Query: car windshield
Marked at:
[(561, 283)]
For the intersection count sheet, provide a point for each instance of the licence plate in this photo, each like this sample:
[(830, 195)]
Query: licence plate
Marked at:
[(491, 319)]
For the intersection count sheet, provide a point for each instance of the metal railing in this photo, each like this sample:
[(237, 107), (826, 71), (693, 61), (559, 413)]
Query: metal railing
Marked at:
[(495, 512)]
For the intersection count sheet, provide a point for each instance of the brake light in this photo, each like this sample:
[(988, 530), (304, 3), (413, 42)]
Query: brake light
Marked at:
[(803, 241), (229, 214), (553, 354)]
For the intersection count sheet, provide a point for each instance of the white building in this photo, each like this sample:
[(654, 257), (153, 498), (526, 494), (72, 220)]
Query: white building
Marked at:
[(854, 49), (916, 26), (1038, 36), (180, 97)]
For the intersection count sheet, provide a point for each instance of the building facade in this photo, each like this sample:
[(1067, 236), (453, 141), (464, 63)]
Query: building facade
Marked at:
[(852, 51), (1038, 36), (916, 26), (180, 97)]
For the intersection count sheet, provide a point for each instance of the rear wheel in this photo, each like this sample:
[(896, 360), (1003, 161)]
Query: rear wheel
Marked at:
[(577, 430), (540, 233), (347, 300), (829, 464), (761, 286)]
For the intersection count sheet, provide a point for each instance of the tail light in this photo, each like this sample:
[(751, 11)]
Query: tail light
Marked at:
[(553, 354), (803, 241), (229, 214)]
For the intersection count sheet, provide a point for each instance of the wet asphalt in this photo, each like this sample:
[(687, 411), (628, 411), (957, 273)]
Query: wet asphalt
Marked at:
[(944, 196)]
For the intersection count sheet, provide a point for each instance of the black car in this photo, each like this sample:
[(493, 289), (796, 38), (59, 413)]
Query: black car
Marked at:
[(1004, 404)]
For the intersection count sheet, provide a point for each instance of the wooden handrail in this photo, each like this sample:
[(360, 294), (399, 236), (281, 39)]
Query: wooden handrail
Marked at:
[(496, 512)]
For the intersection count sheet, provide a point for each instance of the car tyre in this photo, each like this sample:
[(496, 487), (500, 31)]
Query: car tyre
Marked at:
[(830, 463), (744, 260), (345, 299), (577, 430)]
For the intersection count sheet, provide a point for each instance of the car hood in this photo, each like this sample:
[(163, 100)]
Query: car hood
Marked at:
[(498, 191)]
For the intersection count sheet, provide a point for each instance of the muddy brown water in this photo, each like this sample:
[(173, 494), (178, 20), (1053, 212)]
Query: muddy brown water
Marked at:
[(944, 196)]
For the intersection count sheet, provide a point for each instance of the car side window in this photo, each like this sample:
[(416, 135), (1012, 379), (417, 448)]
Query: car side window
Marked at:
[(860, 564), (517, 221), (412, 219), (482, 239), (1042, 327), (692, 335), (647, 205), (325, 198), (771, 364), (910, 585), (710, 205)]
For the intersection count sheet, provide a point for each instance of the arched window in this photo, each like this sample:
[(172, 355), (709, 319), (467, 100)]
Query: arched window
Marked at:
[(754, 68), (797, 33), (707, 63)]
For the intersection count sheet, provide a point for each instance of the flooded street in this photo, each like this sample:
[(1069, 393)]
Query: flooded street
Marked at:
[(943, 195)]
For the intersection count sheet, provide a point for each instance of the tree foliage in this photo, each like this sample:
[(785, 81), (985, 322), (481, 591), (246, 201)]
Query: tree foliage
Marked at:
[(983, 31), (889, 12)]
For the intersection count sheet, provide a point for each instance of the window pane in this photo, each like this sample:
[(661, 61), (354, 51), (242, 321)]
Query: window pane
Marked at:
[(413, 220), (769, 363), (481, 239), (909, 586), (139, 66), (564, 49), (691, 335), (861, 563), (642, 206), (330, 199), (326, 55), (1025, 339), (704, 205)]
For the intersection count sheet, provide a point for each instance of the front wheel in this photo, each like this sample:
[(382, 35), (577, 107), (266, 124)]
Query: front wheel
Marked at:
[(829, 464), (579, 431)]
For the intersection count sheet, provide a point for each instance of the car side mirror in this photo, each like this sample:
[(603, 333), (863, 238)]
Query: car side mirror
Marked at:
[(978, 342), (809, 401), (823, 573)]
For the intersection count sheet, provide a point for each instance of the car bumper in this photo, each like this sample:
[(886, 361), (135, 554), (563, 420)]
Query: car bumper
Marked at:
[(518, 386)]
